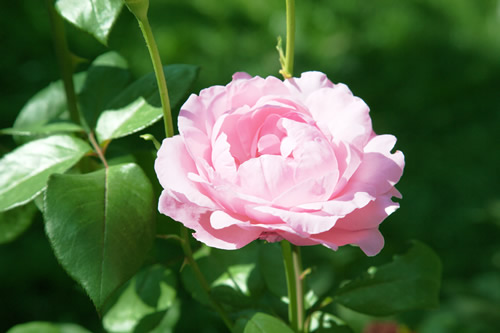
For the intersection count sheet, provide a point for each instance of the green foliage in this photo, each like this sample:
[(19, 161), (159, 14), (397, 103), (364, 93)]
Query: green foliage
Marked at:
[(15, 221), (410, 282), (138, 106), (106, 77), (45, 112), (143, 301), (43, 327), (233, 276), (101, 226), (261, 323), (24, 171), (93, 16), (428, 70)]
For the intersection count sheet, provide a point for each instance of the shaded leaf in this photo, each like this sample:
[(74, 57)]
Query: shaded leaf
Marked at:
[(15, 221), (410, 282), (25, 170), (145, 298), (139, 106), (106, 78), (272, 269), (46, 107), (93, 16), (101, 226), (44, 327)]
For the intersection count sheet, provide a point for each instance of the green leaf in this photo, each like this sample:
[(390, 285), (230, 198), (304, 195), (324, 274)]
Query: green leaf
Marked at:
[(147, 296), (54, 128), (45, 107), (272, 269), (101, 226), (44, 327), (93, 16), (411, 281), (262, 323), (106, 78), (139, 106), (25, 170), (15, 221), (232, 275), (323, 322)]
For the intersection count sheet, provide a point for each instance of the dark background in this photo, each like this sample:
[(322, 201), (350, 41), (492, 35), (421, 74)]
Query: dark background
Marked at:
[(428, 69)]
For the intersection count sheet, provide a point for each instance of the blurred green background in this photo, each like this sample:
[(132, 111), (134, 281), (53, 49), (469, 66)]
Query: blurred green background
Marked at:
[(428, 69)]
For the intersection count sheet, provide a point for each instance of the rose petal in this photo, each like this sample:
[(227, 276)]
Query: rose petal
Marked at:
[(172, 167), (380, 169)]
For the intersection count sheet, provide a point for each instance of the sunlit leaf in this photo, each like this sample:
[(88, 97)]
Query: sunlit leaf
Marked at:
[(323, 322), (53, 128), (25, 170), (139, 106), (93, 16), (261, 323), (101, 226), (44, 327), (233, 276), (411, 281), (144, 298), (15, 221)]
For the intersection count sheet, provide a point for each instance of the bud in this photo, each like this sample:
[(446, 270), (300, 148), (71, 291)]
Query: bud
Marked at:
[(139, 8)]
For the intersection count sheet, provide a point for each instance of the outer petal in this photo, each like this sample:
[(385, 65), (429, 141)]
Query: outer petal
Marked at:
[(178, 207), (380, 169), (172, 167), (308, 83), (361, 227)]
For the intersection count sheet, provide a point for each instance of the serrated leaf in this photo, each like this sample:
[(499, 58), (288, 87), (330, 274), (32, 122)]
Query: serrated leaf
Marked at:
[(139, 106), (45, 327), (106, 78), (232, 275), (143, 299), (45, 107), (262, 323), (25, 170), (15, 221), (93, 16), (101, 226), (411, 281), (54, 128)]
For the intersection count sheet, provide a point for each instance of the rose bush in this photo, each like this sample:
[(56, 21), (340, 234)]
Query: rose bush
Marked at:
[(270, 159)]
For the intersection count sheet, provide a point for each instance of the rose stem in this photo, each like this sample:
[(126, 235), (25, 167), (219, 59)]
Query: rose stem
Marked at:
[(63, 57), (140, 9), (290, 37), (294, 282)]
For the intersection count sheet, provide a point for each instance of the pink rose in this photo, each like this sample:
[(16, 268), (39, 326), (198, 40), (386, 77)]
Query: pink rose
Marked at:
[(267, 159)]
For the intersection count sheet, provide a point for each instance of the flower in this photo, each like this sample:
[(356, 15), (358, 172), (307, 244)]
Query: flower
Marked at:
[(270, 159)]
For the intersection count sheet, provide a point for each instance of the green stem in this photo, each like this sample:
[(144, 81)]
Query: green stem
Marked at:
[(293, 269), (290, 36), (188, 252), (63, 59), (160, 76)]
